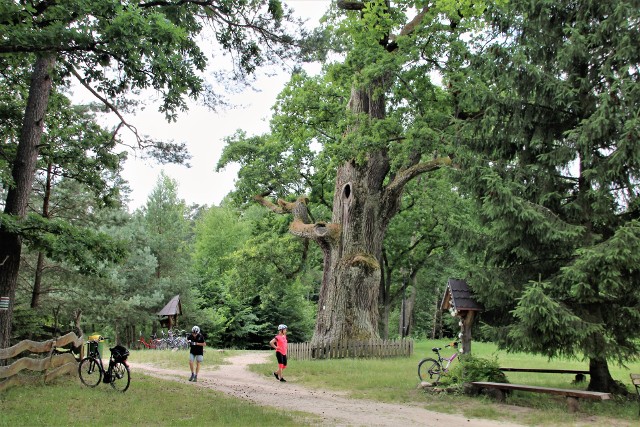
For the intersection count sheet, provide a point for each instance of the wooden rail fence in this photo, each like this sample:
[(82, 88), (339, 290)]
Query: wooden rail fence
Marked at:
[(51, 366), (369, 348)]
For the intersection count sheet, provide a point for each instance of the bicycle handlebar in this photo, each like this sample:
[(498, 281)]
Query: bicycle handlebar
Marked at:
[(453, 344)]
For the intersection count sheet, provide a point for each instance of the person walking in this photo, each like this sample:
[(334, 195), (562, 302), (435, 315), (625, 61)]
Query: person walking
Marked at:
[(196, 352), (279, 344)]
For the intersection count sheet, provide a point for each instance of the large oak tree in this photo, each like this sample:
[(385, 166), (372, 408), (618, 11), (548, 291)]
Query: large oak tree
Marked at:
[(353, 138)]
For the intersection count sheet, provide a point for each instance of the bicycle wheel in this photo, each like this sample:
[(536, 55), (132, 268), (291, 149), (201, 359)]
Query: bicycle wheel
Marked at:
[(120, 377), (90, 372), (429, 370)]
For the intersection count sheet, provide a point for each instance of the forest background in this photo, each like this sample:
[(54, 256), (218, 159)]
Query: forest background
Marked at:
[(534, 109)]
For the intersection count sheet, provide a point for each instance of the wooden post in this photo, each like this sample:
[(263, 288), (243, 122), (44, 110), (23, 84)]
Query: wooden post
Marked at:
[(467, 322)]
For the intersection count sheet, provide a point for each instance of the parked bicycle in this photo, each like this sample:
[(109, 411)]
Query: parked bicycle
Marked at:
[(431, 369), (177, 339), (154, 343), (91, 369)]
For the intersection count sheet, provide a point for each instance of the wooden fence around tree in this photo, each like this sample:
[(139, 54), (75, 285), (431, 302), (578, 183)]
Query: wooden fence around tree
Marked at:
[(369, 348), (50, 366)]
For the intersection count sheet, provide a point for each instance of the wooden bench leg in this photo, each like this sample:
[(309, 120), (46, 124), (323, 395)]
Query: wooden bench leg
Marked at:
[(496, 394), (573, 404)]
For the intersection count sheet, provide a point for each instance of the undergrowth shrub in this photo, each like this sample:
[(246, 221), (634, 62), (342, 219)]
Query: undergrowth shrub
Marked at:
[(473, 368)]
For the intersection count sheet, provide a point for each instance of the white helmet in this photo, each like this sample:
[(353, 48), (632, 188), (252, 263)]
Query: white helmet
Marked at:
[(195, 330), (281, 327)]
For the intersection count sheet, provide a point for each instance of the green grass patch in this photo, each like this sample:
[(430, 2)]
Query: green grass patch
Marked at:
[(148, 402)]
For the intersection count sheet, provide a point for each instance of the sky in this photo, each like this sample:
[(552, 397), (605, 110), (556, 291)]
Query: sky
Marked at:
[(203, 132)]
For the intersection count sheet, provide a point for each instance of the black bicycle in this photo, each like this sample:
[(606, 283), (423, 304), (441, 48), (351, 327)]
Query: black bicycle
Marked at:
[(91, 369)]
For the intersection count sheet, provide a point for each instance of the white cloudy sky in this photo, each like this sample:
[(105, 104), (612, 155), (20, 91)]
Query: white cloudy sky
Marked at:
[(203, 132)]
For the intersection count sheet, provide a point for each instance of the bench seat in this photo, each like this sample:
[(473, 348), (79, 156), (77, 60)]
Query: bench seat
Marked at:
[(571, 394), (635, 380), (546, 371)]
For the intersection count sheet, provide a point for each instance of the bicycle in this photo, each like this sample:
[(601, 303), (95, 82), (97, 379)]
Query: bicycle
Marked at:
[(153, 344), (432, 369), (91, 370)]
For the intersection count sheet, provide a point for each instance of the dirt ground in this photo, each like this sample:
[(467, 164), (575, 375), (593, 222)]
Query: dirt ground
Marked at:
[(332, 408)]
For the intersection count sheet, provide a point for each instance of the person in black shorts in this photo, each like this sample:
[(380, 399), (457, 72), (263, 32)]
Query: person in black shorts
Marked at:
[(196, 351), (279, 344)]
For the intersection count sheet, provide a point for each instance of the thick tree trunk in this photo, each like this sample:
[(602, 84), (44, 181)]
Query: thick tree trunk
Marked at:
[(18, 195), (348, 302), (347, 307), (601, 379)]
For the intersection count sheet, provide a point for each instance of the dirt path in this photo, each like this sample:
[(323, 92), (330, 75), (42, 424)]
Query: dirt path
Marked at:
[(333, 409)]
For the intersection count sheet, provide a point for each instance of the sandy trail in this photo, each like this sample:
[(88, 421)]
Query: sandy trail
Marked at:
[(333, 408)]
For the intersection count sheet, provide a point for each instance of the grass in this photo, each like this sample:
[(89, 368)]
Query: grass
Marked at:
[(150, 401), (396, 380)]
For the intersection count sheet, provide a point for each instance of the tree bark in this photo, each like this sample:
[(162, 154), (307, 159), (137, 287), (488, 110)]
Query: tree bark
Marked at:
[(23, 175), (348, 301), (601, 379)]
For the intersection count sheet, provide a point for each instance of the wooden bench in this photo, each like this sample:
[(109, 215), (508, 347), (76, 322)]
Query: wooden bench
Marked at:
[(571, 395), (579, 374), (545, 371), (635, 380)]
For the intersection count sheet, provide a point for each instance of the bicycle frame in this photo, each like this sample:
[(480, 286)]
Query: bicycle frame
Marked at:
[(445, 368), (152, 344)]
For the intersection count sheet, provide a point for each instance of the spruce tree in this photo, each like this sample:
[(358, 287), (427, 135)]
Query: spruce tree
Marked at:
[(554, 165)]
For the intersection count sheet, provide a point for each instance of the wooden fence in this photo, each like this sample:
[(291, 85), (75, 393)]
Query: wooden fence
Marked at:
[(52, 366), (370, 348)]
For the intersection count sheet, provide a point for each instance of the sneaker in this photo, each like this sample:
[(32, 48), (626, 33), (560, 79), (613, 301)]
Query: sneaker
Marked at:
[(275, 374), (192, 376), (282, 380), (195, 378)]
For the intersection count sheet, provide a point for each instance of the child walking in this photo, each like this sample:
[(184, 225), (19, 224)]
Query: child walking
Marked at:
[(279, 344)]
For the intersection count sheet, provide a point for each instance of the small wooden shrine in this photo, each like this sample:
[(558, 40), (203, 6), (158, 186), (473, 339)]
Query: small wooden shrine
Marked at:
[(459, 301), (169, 314)]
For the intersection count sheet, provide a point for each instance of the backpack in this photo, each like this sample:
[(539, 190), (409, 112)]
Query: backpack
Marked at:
[(119, 353)]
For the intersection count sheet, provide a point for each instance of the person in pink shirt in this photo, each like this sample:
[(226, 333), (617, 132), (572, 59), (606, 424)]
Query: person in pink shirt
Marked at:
[(279, 344)]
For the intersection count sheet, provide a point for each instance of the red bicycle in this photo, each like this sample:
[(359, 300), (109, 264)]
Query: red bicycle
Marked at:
[(152, 344)]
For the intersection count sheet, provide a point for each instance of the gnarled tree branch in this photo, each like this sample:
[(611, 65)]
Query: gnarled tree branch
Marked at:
[(301, 225)]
